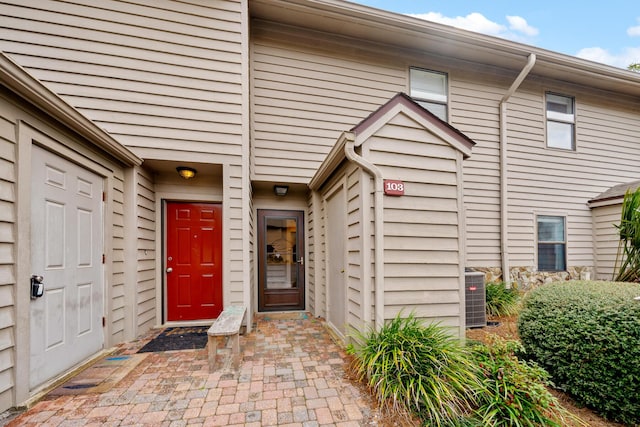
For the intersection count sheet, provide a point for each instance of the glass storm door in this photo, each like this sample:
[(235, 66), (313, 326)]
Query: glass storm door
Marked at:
[(280, 260)]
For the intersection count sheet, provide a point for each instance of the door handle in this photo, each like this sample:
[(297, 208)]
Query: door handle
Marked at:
[(169, 270)]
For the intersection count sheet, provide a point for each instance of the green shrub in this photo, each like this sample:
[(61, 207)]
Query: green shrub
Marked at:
[(502, 301), (422, 368), (514, 392), (587, 335)]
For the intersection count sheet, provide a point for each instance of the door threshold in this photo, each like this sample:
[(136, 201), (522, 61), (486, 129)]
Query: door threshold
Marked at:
[(282, 315), (187, 323)]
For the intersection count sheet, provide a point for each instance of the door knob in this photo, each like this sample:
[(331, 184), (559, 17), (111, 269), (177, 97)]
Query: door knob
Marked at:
[(169, 270)]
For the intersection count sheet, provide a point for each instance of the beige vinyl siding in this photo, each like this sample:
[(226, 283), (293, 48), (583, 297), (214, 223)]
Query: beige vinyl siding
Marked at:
[(233, 206), (153, 74), (354, 251), (475, 111), (253, 253), (34, 127), (164, 78), (7, 258), (306, 93), (422, 257), (312, 280), (118, 304), (146, 259), (560, 182), (349, 177), (606, 239), (304, 97), (320, 253)]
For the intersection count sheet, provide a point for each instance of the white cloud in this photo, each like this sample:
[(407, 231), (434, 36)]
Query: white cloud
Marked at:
[(517, 29), (518, 23), (473, 22), (622, 59)]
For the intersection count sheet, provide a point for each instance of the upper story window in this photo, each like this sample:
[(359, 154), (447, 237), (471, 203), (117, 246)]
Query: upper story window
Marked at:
[(561, 119), (552, 243), (429, 89)]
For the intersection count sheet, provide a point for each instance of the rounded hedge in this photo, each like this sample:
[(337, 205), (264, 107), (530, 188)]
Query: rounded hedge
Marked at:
[(587, 336)]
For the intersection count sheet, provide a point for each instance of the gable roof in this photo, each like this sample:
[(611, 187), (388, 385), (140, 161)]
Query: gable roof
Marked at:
[(614, 194), (398, 104), (403, 102), (355, 22)]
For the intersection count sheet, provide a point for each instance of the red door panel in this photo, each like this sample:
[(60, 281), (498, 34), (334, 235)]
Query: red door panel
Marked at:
[(194, 261)]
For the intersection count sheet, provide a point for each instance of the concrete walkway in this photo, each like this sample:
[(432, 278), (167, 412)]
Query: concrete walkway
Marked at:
[(292, 374)]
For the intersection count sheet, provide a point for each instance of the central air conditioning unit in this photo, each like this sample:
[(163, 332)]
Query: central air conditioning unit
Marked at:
[(475, 299)]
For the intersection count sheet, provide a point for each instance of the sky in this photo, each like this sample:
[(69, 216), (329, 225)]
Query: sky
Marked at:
[(601, 31)]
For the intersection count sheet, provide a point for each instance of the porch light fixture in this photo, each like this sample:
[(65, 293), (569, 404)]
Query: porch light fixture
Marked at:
[(185, 172), (281, 190)]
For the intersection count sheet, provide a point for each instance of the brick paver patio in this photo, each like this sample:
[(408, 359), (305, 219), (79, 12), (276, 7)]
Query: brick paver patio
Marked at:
[(292, 374)]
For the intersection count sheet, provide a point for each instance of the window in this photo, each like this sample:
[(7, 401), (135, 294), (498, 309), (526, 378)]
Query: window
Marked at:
[(429, 89), (551, 243), (561, 120)]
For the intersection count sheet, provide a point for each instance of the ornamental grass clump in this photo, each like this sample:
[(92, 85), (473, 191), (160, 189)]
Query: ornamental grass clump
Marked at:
[(502, 301), (514, 392), (418, 367)]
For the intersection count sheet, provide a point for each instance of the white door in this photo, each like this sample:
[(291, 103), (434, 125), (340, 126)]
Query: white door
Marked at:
[(66, 249), (336, 232)]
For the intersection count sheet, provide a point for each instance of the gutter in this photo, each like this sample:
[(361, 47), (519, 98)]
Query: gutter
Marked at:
[(504, 199), (372, 170)]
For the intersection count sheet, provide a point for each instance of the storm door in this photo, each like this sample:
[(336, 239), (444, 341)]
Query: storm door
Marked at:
[(280, 260)]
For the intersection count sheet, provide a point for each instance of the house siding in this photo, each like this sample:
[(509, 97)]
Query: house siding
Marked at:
[(146, 259), (422, 254), (117, 292), (474, 110), (306, 93), (346, 181), (560, 182), (354, 248), (7, 256), (166, 79), (312, 280), (606, 239), (34, 127), (304, 97), (161, 75)]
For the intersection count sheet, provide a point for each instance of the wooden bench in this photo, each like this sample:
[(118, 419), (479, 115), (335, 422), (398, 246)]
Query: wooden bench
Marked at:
[(226, 327)]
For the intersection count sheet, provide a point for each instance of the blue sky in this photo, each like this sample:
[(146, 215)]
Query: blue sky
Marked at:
[(602, 31)]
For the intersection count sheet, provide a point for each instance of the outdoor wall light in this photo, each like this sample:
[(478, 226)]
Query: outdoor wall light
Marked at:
[(281, 190), (185, 172)]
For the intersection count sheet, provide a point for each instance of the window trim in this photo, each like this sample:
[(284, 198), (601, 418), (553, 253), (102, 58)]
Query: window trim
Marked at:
[(559, 119), (431, 101), (551, 242)]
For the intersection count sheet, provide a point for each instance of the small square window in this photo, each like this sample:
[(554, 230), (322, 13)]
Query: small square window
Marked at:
[(551, 243), (560, 114), (429, 89)]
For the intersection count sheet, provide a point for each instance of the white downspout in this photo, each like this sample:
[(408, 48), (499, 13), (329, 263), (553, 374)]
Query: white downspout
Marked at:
[(504, 199), (378, 249)]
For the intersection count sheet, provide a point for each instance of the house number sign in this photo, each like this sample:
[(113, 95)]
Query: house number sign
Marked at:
[(393, 187)]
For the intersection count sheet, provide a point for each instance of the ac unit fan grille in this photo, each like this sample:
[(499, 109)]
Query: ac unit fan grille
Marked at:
[(476, 300)]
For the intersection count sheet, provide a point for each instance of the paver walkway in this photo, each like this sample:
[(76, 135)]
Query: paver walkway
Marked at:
[(292, 374)]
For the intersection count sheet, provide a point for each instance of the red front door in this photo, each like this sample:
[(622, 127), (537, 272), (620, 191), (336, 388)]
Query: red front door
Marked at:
[(194, 261)]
